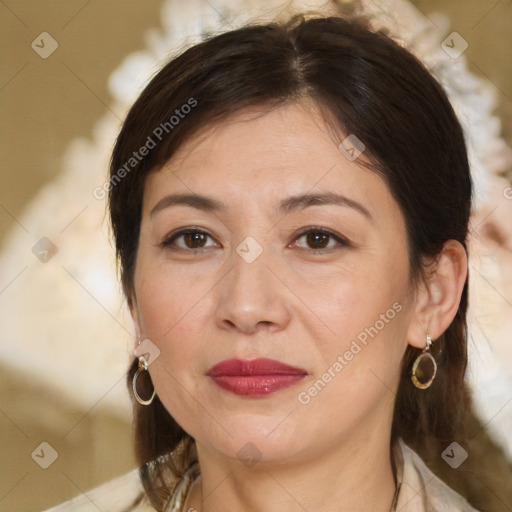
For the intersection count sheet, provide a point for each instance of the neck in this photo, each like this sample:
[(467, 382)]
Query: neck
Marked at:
[(357, 475)]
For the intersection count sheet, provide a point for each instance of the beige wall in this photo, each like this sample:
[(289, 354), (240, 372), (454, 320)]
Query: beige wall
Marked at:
[(44, 105), (487, 27)]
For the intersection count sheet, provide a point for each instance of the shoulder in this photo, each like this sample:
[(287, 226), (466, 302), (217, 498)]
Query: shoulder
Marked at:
[(422, 491), (123, 494)]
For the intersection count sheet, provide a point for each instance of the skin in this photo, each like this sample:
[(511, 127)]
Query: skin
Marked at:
[(201, 304)]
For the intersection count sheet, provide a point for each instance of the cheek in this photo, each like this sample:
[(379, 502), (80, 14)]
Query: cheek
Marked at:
[(367, 317), (169, 299), (359, 368), (172, 316), (354, 298)]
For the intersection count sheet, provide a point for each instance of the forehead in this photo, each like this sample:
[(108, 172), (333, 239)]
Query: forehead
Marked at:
[(263, 155), (256, 139)]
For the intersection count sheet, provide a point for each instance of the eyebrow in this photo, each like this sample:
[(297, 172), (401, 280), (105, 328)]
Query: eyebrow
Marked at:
[(288, 205), (207, 204)]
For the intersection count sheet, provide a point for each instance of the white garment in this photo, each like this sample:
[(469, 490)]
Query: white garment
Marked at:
[(420, 491)]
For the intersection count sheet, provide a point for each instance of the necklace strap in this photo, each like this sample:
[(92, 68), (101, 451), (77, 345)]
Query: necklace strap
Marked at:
[(395, 498), (180, 493)]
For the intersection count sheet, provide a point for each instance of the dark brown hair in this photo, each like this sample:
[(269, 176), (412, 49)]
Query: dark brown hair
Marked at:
[(366, 84)]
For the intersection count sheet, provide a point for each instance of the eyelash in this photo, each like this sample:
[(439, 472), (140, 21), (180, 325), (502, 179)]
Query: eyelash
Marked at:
[(343, 242)]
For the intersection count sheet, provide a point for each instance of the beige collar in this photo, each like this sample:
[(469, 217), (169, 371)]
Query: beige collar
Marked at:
[(418, 489)]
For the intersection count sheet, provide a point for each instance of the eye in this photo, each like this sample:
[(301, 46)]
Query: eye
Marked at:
[(318, 239), (190, 238)]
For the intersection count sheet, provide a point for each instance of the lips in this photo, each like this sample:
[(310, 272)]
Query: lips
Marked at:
[(255, 377)]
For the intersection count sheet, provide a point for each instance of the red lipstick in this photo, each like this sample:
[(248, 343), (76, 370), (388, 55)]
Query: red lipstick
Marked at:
[(255, 377)]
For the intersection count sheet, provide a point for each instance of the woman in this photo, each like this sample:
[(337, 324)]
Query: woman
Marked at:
[(290, 207)]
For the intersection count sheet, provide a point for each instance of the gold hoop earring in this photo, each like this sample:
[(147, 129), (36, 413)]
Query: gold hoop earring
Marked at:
[(143, 366), (419, 375)]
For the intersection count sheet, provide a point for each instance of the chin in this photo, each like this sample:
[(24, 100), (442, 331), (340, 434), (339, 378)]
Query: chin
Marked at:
[(258, 440)]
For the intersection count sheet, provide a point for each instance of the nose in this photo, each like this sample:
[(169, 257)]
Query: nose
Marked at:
[(252, 298)]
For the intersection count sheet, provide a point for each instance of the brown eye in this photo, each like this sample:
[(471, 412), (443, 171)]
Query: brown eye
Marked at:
[(194, 239), (189, 239), (318, 239)]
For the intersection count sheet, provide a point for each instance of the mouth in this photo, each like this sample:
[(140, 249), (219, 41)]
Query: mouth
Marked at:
[(255, 377)]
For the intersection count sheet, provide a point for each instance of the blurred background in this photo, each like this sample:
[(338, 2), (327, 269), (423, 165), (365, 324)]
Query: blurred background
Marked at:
[(60, 107)]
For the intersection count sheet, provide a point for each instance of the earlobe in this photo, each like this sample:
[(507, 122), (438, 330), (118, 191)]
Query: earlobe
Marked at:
[(438, 297)]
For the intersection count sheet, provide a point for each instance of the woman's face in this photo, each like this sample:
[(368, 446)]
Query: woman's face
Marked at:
[(292, 252)]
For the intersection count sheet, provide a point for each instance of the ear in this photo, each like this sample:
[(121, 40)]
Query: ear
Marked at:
[(438, 297)]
